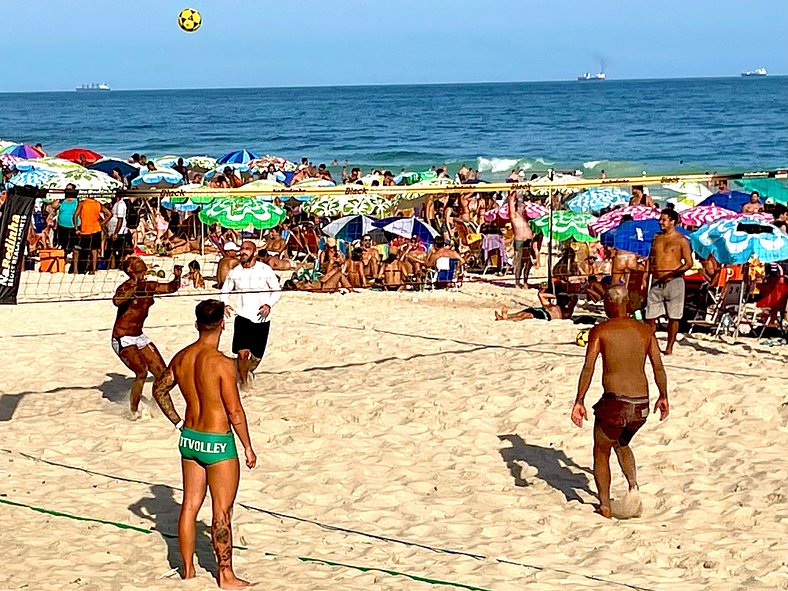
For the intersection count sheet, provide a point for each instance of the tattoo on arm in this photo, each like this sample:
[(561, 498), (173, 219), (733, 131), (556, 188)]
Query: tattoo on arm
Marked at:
[(161, 393)]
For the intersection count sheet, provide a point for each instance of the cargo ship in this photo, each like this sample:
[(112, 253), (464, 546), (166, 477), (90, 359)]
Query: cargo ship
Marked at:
[(589, 77), (101, 87), (754, 74)]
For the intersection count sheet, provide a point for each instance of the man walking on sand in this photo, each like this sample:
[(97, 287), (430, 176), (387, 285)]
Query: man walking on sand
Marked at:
[(206, 378), (671, 257), (523, 241), (624, 344), (258, 291)]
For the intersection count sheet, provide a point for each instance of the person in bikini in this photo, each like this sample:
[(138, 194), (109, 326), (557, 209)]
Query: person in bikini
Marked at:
[(133, 298), (560, 307), (209, 458), (624, 344)]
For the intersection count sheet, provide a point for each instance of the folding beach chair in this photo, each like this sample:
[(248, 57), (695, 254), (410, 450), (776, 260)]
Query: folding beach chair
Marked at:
[(727, 314), (445, 275)]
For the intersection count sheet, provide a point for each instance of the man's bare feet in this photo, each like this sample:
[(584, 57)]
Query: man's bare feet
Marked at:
[(233, 582), (189, 572), (604, 512), (503, 314), (668, 351)]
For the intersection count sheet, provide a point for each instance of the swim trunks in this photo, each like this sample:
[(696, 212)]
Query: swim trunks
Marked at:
[(620, 417), (666, 299), (206, 448), (140, 341), (539, 313), (522, 244)]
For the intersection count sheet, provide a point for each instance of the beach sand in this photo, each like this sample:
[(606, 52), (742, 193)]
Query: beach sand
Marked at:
[(395, 431)]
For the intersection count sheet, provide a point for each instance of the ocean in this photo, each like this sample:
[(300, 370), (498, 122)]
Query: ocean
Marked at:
[(624, 127)]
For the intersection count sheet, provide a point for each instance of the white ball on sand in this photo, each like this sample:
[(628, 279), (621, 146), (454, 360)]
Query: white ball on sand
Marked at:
[(628, 507), (415, 300)]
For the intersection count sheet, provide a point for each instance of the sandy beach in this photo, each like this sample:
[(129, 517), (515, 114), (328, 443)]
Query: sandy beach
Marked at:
[(400, 432)]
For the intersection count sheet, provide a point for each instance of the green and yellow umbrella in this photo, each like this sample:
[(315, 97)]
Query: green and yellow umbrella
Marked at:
[(239, 214), (566, 225)]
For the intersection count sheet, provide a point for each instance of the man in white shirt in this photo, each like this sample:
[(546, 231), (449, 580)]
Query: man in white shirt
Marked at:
[(257, 291), (119, 235)]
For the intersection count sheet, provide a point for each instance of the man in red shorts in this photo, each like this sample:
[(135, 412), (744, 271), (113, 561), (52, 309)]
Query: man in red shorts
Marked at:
[(624, 344)]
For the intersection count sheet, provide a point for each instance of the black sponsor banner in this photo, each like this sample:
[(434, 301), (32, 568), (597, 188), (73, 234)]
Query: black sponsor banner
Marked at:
[(14, 224)]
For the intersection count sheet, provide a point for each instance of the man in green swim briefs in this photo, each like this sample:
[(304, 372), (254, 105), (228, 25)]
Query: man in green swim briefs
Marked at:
[(207, 379)]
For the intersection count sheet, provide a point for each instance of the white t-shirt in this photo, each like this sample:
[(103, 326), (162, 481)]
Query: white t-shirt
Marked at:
[(262, 286), (118, 218)]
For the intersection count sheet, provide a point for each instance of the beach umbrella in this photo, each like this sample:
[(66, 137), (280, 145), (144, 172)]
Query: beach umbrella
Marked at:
[(279, 163), (170, 161), (634, 236), (407, 227), (333, 205), (689, 193), (238, 168), (162, 178), (6, 144), (350, 228), (736, 241), (266, 185), (598, 198), (768, 188), (566, 225), (701, 215), (414, 199), (76, 154), (201, 163), (411, 178), (532, 211), (179, 204), (613, 218), (30, 178), (9, 161), (733, 200), (23, 151), (83, 179), (238, 214), (106, 165), (311, 184), (237, 157), (50, 164), (543, 185)]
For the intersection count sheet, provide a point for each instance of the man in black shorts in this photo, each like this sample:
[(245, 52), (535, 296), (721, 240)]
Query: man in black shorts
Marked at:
[(257, 291)]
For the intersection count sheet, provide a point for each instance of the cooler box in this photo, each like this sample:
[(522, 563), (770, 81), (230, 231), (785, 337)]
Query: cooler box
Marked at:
[(52, 260)]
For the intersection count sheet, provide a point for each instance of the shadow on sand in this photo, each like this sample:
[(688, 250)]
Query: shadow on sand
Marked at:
[(552, 466)]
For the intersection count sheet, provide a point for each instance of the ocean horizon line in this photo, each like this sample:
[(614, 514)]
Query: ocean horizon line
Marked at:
[(396, 84)]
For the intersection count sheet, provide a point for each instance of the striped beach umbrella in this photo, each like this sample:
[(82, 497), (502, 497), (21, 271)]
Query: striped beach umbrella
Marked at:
[(238, 168), (23, 151), (532, 211), (202, 163), (162, 178), (237, 157), (169, 161), (598, 198), (50, 164), (736, 241), (700, 215), (566, 225), (613, 218), (238, 214), (30, 178)]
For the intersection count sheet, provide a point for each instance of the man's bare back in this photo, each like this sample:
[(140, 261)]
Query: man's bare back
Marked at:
[(624, 344)]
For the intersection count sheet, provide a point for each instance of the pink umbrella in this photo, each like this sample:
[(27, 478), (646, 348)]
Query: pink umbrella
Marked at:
[(760, 217), (700, 215), (532, 211), (9, 160), (612, 219)]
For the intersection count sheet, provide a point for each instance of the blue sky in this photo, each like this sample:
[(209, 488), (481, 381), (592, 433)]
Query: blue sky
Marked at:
[(57, 44)]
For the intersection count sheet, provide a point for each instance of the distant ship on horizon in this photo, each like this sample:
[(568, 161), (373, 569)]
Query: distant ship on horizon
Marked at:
[(103, 86), (755, 73), (587, 76)]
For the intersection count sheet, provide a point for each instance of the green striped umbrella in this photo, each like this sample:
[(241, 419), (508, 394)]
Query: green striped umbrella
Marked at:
[(566, 225), (238, 214)]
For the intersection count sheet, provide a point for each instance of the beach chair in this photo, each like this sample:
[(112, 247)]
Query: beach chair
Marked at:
[(771, 308), (493, 252), (446, 274), (727, 314)]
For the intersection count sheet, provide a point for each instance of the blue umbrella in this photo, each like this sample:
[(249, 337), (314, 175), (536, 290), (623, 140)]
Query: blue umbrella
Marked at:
[(407, 227), (106, 166), (733, 200), (634, 236), (736, 241), (350, 228), (238, 157), (598, 198), (161, 178), (179, 205), (30, 178), (237, 167)]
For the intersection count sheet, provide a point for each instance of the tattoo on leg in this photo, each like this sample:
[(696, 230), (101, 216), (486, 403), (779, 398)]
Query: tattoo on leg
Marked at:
[(221, 537)]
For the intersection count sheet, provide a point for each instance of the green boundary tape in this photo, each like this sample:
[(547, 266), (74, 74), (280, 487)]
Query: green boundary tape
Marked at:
[(307, 559)]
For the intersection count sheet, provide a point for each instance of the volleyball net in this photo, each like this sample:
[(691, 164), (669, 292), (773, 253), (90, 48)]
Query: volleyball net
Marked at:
[(43, 257)]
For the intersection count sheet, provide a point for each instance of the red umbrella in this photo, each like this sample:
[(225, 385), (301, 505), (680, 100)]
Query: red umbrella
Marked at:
[(75, 154)]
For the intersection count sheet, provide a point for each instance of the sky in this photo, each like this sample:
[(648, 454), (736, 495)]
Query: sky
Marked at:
[(58, 44)]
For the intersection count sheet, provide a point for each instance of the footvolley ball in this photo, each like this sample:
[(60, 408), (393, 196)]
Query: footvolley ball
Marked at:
[(189, 20), (581, 340)]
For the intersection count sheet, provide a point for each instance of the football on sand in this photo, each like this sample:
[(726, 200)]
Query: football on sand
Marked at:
[(189, 20), (581, 340)]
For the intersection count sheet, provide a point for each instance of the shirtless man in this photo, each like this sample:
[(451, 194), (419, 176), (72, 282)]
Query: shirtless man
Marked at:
[(523, 241), (206, 378), (133, 298), (624, 344), (671, 257), (560, 307), (439, 251), (276, 245), (754, 206), (275, 262), (370, 257), (227, 263)]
